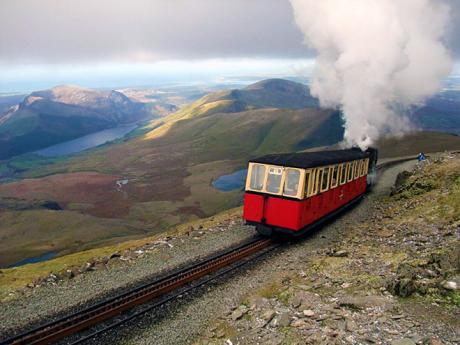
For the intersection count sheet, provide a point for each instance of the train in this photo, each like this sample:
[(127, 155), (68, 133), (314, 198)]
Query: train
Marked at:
[(291, 193)]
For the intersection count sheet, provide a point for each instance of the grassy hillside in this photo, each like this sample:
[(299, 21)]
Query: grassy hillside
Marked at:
[(168, 171), (270, 93)]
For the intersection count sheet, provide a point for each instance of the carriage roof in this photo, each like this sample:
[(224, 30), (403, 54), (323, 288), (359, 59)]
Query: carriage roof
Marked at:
[(305, 160)]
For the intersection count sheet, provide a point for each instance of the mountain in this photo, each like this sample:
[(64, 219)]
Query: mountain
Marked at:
[(164, 177), (270, 93), (63, 113), (6, 102), (170, 167), (440, 113)]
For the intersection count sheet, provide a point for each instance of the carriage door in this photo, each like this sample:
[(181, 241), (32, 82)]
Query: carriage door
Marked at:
[(272, 186)]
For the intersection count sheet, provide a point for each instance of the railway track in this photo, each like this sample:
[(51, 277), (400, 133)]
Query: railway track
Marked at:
[(389, 164), (156, 292), (108, 309)]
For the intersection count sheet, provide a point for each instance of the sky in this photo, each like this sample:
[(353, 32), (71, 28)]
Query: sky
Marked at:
[(105, 43)]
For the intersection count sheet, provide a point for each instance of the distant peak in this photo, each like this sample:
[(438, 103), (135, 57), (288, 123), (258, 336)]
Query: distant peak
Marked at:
[(274, 83), (68, 86)]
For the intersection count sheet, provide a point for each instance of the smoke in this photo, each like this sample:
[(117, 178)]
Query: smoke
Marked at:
[(376, 58)]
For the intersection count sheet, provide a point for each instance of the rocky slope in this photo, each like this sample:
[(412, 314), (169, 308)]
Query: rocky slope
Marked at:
[(384, 272), (391, 279), (48, 117)]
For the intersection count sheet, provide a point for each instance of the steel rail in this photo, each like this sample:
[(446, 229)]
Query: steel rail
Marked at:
[(107, 309), (170, 298)]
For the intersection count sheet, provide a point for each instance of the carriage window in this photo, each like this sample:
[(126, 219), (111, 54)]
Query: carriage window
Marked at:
[(308, 175), (366, 166), (319, 179), (325, 180), (314, 182), (356, 169), (334, 176), (257, 177), (291, 184), (362, 168), (274, 179), (343, 174), (350, 171)]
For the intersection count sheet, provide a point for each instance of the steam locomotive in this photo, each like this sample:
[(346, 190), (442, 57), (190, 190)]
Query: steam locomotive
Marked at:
[(294, 192)]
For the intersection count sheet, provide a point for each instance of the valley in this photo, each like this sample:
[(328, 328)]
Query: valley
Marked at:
[(168, 168)]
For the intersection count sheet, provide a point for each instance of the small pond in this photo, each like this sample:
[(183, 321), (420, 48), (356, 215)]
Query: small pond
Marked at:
[(32, 260), (86, 142), (227, 183)]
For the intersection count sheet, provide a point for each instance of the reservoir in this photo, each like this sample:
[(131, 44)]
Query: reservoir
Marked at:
[(227, 183), (32, 260), (86, 142)]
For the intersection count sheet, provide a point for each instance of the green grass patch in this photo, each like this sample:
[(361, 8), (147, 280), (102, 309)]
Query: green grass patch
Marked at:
[(15, 278)]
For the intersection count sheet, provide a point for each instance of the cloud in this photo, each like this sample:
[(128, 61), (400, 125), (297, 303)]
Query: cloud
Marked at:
[(69, 31)]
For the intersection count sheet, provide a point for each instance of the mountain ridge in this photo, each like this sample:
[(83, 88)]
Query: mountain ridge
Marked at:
[(268, 93), (51, 116), (168, 171)]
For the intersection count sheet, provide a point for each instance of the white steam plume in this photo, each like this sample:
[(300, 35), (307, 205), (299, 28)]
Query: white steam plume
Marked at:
[(374, 57)]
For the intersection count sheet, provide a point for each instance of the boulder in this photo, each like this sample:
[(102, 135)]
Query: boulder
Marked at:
[(340, 253), (449, 285), (237, 314), (115, 255), (299, 324), (69, 274), (268, 315), (282, 320), (308, 313)]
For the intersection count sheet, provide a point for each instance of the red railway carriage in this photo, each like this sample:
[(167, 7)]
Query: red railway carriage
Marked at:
[(291, 193)]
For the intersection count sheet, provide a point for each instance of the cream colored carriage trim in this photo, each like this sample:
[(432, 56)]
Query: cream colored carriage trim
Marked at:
[(355, 170), (301, 185), (366, 171), (334, 183), (248, 177), (326, 171), (343, 174), (319, 179), (313, 190), (349, 171), (308, 184)]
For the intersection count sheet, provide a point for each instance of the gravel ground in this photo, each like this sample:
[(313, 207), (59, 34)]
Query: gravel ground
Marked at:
[(183, 321), (345, 292), (48, 300)]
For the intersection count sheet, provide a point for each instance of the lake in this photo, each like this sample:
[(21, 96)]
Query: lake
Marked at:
[(32, 260), (86, 142), (227, 183)]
